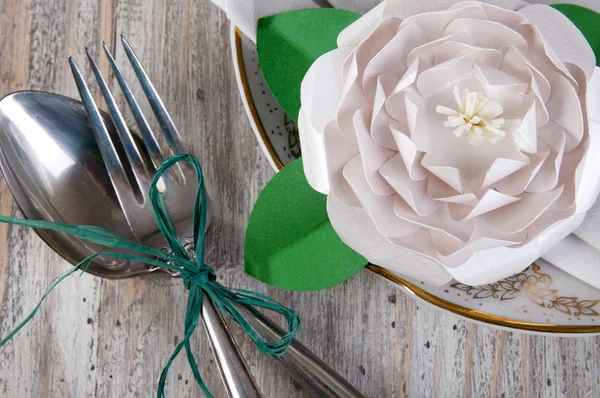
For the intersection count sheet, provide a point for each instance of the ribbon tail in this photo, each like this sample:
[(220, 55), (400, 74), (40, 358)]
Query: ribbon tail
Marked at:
[(82, 265), (194, 306), (191, 322)]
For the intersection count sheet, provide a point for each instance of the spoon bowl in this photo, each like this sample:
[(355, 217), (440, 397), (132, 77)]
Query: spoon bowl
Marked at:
[(52, 165)]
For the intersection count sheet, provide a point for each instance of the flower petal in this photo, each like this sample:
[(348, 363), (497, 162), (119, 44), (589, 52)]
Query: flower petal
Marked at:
[(482, 56), (410, 155), (517, 182), (428, 50), (440, 191), (454, 252), (391, 60), (313, 157), (317, 110), (527, 131), (467, 72), (512, 57), (488, 34), (403, 103), (433, 24), (321, 89), (547, 221), (526, 73), (490, 201), (489, 266), (372, 154), (563, 36), (381, 122), (564, 108), (570, 176), (540, 55), (358, 31), (405, 8), (446, 76), (356, 229), (339, 150), (353, 96), (353, 99), (524, 212), (553, 137), (501, 12), (379, 207), (414, 192), (573, 162), (377, 41), (439, 220), (450, 175)]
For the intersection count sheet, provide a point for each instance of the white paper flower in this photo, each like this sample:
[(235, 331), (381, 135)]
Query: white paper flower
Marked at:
[(459, 134)]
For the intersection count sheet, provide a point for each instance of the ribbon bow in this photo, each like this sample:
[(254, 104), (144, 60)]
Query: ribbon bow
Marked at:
[(198, 278)]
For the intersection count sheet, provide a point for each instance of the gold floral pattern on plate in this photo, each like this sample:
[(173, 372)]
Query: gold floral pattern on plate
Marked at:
[(535, 286)]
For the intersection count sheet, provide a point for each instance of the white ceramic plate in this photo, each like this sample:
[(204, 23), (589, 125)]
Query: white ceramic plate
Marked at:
[(542, 299)]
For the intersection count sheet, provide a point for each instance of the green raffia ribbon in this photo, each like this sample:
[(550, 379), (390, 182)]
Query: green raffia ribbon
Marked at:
[(197, 277)]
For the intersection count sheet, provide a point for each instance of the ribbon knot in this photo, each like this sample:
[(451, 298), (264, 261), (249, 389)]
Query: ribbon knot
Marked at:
[(198, 278)]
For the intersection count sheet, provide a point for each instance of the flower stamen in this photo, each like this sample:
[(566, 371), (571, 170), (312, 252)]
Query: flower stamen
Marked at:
[(477, 117)]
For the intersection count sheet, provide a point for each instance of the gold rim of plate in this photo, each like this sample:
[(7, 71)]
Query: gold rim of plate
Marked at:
[(411, 288)]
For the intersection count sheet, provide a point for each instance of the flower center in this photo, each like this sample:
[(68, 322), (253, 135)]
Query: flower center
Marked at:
[(476, 116)]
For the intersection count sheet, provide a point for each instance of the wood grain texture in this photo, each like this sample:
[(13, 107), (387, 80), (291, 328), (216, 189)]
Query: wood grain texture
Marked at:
[(100, 338)]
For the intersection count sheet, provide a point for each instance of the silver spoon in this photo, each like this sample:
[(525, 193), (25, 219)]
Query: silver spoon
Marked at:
[(54, 170)]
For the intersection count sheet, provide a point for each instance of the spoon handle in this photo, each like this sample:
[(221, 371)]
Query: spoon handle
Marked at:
[(304, 366), (236, 376)]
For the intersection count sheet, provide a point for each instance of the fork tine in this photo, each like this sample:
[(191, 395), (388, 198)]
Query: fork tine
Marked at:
[(138, 167), (149, 140), (166, 123), (105, 144)]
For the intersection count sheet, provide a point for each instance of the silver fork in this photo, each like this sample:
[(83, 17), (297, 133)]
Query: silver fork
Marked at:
[(132, 184)]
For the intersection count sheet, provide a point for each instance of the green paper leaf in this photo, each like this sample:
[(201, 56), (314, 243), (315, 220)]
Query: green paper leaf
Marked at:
[(290, 242), (289, 43), (588, 22)]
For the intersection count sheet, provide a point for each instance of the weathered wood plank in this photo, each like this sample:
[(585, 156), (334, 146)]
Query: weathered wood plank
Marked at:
[(111, 338)]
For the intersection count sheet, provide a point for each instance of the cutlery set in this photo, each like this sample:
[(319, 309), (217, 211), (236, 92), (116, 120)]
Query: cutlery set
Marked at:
[(67, 161)]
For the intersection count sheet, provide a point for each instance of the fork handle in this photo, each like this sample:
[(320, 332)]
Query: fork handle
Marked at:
[(236, 376), (313, 374)]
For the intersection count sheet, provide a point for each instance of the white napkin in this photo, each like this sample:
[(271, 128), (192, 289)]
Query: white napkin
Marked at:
[(591, 4), (245, 13), (579, 253)]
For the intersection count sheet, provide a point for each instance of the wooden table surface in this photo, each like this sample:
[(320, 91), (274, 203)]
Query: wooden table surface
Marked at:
[(106, 338)]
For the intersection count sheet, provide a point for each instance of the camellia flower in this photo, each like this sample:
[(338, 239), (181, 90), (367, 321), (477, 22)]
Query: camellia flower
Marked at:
[(454, 138)]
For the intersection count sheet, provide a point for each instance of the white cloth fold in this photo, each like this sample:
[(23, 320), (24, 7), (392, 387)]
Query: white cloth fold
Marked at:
[(245, 13), (579, 253)]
